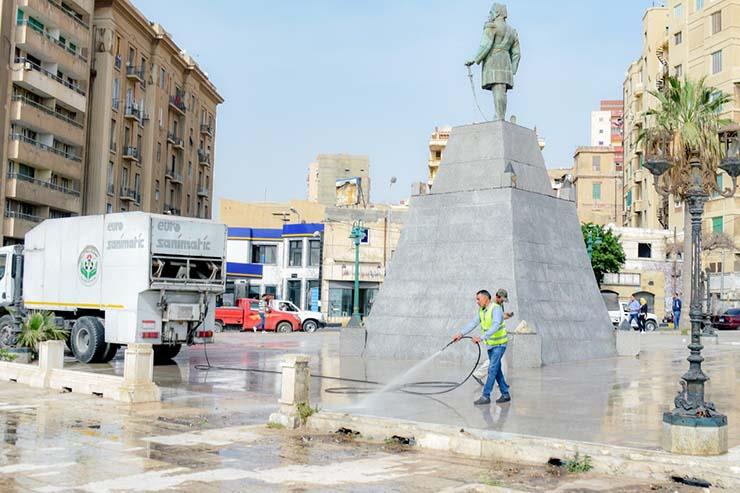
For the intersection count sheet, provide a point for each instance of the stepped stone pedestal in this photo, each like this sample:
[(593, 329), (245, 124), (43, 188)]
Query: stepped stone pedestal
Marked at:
[(491, 222)]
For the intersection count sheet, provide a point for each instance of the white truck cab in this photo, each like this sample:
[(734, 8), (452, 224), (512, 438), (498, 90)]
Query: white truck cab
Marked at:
[(310, 321), (651, 323)]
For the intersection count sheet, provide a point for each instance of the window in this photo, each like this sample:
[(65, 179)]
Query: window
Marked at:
[(108, 208), (159, 151), (717, 62), (110, 177), (678, 71), (156, 190), (112, 140), (295, 253), (294, 291), (264, 254), (718, 225), (622, 279), (131, 55), (596, 163), (596, 191), (678, 12), (161, 121), (116, 92), (678, 38), (644, 250), (716, 22), (314, 252), (137, 184), (628, 200), (188, 202), (124, 177), (161, 77), (699, 5)]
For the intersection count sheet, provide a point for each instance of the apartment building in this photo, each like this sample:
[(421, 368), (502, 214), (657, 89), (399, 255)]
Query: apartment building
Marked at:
[(152, 120), (45, 96), (689, 39), (437, 144), (598, 185), (329, 169), (607, 126)]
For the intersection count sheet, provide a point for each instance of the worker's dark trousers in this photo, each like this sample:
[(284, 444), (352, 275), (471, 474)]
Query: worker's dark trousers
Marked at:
[(495, 373)]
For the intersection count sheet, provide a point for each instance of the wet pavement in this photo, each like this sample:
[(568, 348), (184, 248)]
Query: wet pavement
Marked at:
[(208, 433)]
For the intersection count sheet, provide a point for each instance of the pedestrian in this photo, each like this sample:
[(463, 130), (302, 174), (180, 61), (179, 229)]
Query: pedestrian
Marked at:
[(677, 305), (634, 309), (481, 374), (490, 317), (642, 317), (262, 310)]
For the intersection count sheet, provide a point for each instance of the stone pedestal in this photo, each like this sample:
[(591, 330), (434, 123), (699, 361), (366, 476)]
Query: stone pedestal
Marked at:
[(352, 341), (294, 390), (628, 342), (138, 371), (51, 357), (694, 436), (524, 350)]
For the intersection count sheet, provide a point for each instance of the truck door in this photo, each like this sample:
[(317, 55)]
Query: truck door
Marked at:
[(6, 280)]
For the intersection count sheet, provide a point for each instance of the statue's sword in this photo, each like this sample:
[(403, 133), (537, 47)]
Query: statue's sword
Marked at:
[(475, 95)]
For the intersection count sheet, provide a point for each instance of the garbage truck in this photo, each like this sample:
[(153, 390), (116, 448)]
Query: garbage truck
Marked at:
[(116, 279)]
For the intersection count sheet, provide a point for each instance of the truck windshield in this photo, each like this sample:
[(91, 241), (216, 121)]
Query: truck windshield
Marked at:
[(3, 259)]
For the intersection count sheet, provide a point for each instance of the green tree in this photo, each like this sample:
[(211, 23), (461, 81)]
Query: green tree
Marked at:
[(687, 115), (607, 254)]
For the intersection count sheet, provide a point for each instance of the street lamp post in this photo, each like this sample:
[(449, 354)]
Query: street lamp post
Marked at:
[(691, 411), (356, 235)]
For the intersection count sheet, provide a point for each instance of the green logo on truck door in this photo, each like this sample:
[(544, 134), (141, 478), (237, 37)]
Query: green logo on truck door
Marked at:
[(89, 265)]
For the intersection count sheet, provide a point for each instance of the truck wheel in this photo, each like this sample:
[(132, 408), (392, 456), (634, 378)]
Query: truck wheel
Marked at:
[(165, 352), (88, 340), (650, 326), (218, 327), (110, 352), (284, 327), (310, 326), (8, 332)]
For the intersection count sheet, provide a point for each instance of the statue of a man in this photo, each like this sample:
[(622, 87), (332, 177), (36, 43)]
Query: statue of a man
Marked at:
[(500, 54)]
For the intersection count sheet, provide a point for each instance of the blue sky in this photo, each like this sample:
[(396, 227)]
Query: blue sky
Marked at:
[(376, 76)]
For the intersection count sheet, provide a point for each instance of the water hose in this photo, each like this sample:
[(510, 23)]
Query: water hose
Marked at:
[(433, 387)]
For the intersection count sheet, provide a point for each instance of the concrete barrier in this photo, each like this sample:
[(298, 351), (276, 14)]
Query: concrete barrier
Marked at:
[(294, 390), (136, 385)]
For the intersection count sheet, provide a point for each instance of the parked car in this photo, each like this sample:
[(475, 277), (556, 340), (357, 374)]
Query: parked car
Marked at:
[(245, 316), (729, 320), (310, 321), (617, 316)]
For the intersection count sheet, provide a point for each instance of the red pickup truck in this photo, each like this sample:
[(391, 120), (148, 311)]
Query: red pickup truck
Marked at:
[(245, 316)]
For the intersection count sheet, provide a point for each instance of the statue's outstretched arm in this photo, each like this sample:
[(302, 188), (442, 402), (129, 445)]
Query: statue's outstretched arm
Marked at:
[(516, 54)]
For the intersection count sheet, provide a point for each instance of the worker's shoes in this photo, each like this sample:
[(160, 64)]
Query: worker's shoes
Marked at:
[(478, 380), (482, 401), (503, 398)]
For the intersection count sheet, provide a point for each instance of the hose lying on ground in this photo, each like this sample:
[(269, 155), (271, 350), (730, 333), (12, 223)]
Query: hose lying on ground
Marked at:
[(415, 388)]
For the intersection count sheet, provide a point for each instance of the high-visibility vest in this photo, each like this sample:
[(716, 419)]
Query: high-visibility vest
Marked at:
[(500, 337)]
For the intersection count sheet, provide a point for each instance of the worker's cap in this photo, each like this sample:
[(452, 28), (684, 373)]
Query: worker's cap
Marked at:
[(503, 294)]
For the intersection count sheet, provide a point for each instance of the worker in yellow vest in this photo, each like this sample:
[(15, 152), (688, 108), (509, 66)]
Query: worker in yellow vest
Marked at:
[(490, 318)]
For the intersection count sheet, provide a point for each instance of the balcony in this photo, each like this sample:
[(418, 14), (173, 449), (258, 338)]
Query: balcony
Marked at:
[(31, 76), (111, 189), (63, 18), (113, 147), (177, 103), (176, 141), (207, 130), (131, 153), (36, 40), (130, 195), (135, 73), (173, 176), (29, 151), (16, 224), (202, 191), (33, 191), (640, 205), (171, 209), (204, 157), (44, 119), (133, 112)]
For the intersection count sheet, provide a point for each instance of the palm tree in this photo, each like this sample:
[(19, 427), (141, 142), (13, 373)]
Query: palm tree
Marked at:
[(40, 327), (687, 121)]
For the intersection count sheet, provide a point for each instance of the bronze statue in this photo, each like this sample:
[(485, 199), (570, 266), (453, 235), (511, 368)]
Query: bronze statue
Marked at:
[(500, 54)]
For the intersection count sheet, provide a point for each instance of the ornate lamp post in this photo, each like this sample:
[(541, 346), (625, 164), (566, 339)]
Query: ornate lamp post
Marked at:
[(694, 426), (356, 235)]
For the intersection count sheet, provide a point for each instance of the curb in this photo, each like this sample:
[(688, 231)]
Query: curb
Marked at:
[(722, 471)]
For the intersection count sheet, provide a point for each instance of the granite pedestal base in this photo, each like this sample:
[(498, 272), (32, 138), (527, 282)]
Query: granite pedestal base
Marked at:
[(695, 436)]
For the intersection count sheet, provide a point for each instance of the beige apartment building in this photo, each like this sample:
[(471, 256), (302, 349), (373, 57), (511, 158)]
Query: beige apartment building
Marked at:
[(45, 102), (598, 185), (691, 39), (152, 121), (328, 169), (437, 144)]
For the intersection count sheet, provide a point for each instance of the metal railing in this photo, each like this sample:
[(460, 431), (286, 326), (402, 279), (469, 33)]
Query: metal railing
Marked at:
[(133, 110), (172, 209), (176, 141), (116, 104), (24, 217), (44, 183), (130, 193), (132, 152), (46, 34), (203, 191), (111, 189), (173, 176), (178, 102), (33, 66), (45, 147), (135, 71), (45, 109), (69, 13), (206, 129), (113, 147), (204, 157)]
